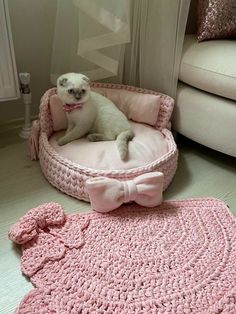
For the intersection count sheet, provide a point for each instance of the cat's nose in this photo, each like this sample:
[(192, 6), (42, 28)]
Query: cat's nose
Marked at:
[(77, 96)]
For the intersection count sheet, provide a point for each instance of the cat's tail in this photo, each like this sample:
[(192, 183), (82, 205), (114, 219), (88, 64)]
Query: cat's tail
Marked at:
[(122, 142)]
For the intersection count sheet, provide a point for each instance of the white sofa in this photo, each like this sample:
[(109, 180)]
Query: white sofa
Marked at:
[(205, 108)]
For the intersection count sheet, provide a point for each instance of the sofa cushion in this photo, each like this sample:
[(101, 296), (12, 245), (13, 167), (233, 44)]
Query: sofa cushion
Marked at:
[(210, 66), (205, 118), (216, 19)]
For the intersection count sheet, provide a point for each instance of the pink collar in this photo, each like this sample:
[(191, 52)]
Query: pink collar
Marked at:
[(69, 108)]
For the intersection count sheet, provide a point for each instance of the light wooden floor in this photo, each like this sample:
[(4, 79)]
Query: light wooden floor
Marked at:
[(201, 172)]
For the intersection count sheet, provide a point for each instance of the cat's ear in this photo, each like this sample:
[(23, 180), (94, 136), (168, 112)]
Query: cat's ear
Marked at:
[(63, 81), (86, 79)]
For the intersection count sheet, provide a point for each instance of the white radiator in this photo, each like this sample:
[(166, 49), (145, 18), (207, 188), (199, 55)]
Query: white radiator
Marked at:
[(9, 88)]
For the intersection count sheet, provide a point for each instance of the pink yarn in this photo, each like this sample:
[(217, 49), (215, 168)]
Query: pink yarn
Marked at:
[(70, 177), (176, 258), (33, 142)]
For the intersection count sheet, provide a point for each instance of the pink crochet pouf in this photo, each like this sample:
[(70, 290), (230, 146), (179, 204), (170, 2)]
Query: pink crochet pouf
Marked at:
[(176, 258)]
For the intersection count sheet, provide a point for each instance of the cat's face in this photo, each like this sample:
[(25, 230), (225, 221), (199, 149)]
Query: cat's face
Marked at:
[(73, 88)]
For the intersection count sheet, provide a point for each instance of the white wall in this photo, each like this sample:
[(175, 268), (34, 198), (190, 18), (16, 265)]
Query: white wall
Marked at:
[(32, 23)]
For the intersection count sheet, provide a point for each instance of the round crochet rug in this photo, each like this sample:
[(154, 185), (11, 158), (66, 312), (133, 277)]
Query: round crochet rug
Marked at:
[(176, 258)]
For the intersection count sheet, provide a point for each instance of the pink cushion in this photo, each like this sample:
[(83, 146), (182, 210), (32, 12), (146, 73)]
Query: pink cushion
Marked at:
[(147, 146), (138, 107), (59, 120)]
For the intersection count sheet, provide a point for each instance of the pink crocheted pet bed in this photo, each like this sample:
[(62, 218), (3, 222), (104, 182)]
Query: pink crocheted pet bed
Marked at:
[(177, 258), (68, 167)]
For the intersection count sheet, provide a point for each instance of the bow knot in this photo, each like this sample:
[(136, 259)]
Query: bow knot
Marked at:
[(130, 191), (49, 214), (107, 194)]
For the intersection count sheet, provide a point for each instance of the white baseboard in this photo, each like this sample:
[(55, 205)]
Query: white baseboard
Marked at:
[(13, 124)]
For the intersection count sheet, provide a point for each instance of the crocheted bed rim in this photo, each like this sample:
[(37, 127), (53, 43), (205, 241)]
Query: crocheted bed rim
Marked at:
[(121, 174), (70, 178), (165, 112)]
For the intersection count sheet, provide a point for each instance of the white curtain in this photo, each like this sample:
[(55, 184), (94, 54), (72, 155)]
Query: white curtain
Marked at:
[(89, 37), (92, 37), (153, 57)]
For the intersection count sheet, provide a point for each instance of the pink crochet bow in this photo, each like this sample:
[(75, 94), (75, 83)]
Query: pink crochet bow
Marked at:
[(28, 227), (107, 194), (45, 234)]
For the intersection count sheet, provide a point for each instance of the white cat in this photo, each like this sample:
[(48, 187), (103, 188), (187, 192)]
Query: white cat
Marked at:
[(91, 113)]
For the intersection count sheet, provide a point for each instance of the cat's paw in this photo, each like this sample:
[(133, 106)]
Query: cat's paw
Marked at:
[(61, 141), (95, 137)]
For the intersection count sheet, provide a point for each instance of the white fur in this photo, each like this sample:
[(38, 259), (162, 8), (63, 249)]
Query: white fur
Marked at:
[(99, 117)]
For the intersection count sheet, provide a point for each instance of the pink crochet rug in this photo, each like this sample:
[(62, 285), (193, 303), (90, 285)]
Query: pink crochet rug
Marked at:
[(177, 258)]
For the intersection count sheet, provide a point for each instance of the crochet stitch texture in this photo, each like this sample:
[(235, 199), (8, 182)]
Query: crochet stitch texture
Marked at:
[(70, 177), (176, 258)]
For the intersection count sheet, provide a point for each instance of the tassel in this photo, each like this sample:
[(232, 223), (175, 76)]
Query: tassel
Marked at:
[(34, 140)]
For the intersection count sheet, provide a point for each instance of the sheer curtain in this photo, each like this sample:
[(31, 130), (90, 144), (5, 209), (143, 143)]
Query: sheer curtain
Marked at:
[(90, 37), (153, 56), (137, 41)]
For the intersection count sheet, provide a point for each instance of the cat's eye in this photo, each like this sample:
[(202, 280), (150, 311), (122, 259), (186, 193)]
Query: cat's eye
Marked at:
[(83, 91), (70, 91)]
